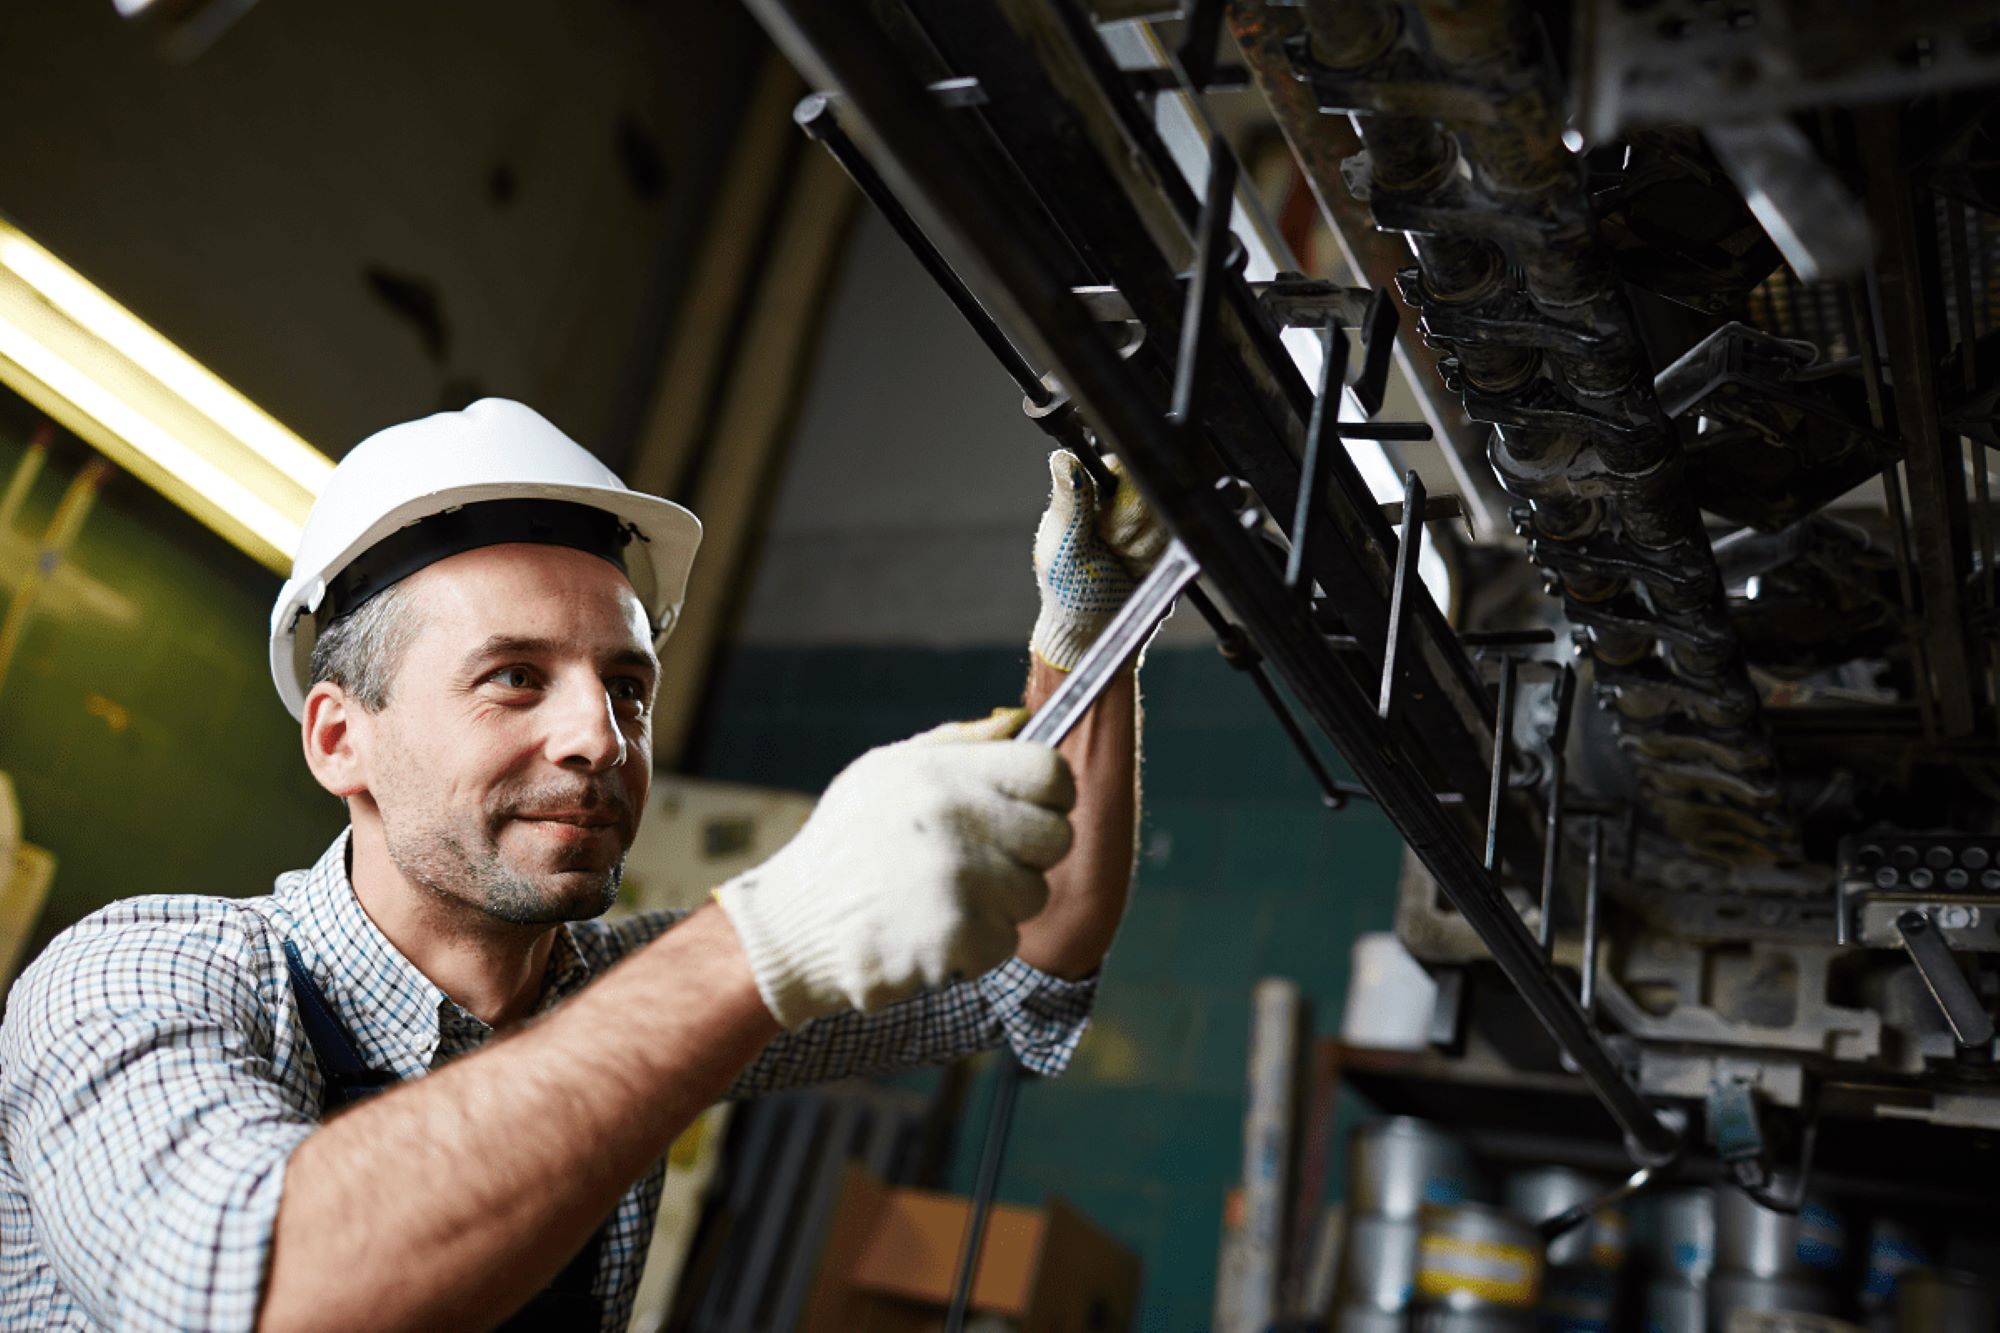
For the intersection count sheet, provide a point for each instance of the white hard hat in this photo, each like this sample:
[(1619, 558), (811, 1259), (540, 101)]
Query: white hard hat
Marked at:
[(494, 450)]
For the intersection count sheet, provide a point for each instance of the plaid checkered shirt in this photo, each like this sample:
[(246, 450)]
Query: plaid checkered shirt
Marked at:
[(154, 1079)]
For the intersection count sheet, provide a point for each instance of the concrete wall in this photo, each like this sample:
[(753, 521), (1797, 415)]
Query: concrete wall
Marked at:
[(907, 509)]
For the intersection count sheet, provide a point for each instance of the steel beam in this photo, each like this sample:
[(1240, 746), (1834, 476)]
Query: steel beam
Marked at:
[(979, 229)]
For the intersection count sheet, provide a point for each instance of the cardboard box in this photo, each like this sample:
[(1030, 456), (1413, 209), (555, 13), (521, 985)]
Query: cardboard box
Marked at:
[(892, 1254)]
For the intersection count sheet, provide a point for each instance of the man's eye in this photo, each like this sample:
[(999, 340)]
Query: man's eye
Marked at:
[(626, 690), (513, 677)]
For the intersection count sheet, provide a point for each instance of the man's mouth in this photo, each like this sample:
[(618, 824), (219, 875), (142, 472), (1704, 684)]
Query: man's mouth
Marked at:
[(574, 818)]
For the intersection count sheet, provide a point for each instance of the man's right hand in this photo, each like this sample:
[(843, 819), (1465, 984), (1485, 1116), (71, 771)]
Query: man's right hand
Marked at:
[(917, 866)]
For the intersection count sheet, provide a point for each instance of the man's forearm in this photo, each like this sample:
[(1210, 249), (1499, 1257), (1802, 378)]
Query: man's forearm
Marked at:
[(448, 1202), (1087, 891)]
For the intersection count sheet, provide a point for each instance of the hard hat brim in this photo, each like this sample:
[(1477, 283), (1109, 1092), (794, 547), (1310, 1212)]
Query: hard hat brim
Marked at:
[(657, 563)]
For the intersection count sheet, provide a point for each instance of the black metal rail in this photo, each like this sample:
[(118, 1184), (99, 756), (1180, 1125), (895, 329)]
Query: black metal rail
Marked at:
[(981, 229)]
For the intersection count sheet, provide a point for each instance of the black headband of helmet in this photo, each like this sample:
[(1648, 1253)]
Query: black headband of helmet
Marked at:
[(467, 528)]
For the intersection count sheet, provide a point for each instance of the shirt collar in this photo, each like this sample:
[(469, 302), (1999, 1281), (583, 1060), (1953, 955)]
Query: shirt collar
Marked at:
[(395, 1014)]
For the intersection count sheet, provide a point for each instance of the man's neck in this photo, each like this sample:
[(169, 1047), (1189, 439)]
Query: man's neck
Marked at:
[(492, 969)]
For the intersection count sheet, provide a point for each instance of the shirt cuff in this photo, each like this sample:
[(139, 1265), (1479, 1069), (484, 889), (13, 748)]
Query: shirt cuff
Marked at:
[(1042, 1017)]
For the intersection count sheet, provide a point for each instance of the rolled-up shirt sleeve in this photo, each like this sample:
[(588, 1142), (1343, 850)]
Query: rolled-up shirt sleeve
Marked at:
[(144, 1120), (1042, 1017)]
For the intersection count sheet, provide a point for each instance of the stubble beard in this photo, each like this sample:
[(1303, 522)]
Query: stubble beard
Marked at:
[(447, 863), (461, 861)]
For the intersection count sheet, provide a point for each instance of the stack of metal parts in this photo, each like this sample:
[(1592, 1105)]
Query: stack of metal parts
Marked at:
[(1395, 1169), (1425, 1248), (1462, 125)]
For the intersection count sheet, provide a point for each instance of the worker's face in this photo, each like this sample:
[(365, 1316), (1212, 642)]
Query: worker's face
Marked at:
[(512, 759)]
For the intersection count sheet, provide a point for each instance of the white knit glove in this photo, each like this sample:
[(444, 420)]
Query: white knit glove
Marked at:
[(1088, 558), (916, 867)]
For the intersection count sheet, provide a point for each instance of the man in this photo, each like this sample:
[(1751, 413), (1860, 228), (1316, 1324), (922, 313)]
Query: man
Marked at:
[(416, 1086)]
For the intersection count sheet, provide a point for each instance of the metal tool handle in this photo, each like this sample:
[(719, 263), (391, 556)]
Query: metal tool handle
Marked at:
[(1121, 639)]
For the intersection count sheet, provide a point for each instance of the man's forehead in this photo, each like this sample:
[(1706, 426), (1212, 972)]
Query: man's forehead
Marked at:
[(524, 587)]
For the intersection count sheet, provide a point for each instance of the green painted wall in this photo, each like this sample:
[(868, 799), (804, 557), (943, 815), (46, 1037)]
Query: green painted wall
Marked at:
[(138, 722), (1242, 875)]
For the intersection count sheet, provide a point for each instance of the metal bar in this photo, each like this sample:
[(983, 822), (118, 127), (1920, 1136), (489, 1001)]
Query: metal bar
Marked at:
[(1592, 883), (1113, 648), (1503, 732), (980, 227), (1319, 448), (1401, 591), (815, 115), (1205, 283), (1202, 31), (1239, 652), (1935, 462), (999, 1123), (1971, 1025), (1378, 344)]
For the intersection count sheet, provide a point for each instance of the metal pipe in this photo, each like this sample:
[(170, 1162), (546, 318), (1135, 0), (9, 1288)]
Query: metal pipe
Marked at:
[(977, 224)]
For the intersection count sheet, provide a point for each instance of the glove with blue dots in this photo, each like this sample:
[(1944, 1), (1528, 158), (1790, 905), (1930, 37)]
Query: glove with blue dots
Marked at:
[(1089, 555)]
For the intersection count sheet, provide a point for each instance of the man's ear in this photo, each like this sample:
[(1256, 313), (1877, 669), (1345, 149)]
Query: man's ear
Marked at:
[(329, 740)]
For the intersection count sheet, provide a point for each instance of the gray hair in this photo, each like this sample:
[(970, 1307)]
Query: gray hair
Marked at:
[(360, 652)]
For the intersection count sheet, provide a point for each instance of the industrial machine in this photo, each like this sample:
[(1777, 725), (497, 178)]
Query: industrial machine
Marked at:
[(1696, 746)]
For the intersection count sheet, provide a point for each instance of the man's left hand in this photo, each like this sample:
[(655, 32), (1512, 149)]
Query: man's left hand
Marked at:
[(1090, 553)]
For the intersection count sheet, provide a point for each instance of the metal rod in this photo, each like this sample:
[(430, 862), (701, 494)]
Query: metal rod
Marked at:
[(999, 1124), (1408, 546), (1503, 734), (1205, 284), (816, 116), (1378, 343), (983, 228), (1592, 883), (1319, 450)]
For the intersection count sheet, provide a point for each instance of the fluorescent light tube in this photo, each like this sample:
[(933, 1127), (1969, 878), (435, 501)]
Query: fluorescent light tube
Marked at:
[(107, 377)]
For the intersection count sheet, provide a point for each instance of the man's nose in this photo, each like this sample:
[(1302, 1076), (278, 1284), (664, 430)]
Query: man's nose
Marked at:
[(583, 727)]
